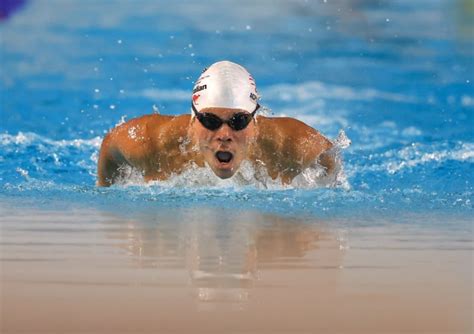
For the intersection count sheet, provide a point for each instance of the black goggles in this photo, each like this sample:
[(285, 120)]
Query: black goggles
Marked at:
[(237, 122)]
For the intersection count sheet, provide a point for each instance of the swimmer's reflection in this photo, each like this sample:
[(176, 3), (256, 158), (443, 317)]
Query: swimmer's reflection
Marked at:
[(222, 252)]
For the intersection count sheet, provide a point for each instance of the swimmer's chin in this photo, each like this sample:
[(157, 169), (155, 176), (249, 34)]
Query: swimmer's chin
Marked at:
[(224, 170), (224, 173)]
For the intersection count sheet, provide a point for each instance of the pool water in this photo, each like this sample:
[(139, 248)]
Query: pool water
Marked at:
[(396, 78)]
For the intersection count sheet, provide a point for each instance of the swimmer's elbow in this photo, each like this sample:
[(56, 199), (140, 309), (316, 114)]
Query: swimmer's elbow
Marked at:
[(102, 182), (105, 169), (108, 164)]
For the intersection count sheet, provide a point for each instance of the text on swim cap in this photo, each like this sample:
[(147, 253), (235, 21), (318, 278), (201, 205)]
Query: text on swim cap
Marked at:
[(199, 88)]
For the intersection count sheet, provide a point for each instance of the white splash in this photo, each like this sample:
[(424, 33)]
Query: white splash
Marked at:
[(415, 155), (132, 133), (30, 138), (314, 176), (122, 120), (23, 172), (129, 176), (59, 151)]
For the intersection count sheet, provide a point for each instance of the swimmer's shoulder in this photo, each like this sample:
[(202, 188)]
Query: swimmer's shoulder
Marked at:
[(284, 124), (147, 126), (140, 135), (291, 129), (171, 126)]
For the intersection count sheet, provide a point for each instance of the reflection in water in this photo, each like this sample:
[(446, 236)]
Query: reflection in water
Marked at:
[(283, 275), (222, 251)]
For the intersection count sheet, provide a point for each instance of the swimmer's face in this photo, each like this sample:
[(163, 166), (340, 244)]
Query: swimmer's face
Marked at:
[(223, 149)]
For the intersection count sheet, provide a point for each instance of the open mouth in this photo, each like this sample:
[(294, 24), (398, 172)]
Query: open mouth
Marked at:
[(224, 156)]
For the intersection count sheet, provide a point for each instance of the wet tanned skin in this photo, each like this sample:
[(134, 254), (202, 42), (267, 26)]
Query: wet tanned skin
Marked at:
[(160, 146)]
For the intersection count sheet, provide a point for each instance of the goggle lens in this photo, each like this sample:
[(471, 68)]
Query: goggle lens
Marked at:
[(210, 121), (237, 122)]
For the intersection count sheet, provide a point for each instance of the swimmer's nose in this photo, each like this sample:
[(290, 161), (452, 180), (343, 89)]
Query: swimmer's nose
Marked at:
[(224, 134)]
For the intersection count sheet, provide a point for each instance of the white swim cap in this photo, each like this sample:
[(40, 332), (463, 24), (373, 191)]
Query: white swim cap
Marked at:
[(226, 85)]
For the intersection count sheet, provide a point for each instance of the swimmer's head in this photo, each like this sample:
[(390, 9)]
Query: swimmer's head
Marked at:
[(224, 104), (225, 85)]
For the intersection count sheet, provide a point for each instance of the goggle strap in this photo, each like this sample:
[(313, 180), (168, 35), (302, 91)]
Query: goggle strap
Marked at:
[(197, 112)]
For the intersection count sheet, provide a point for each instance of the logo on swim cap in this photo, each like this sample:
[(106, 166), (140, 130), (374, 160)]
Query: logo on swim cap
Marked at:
[(195, 98), (226, 85), (199, 88)]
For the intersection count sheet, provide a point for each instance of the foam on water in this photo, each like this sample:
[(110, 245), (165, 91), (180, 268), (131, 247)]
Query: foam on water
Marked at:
[(32, 155), (414, 155), (312, 177), (46, 171)]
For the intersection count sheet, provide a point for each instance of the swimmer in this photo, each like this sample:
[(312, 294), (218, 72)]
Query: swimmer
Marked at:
[(222, 131)]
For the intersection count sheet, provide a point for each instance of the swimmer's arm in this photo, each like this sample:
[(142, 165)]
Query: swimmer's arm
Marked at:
[(317, 148), (322, 152), (301, 147), (126, 144), (110, 160), (312, 150)]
